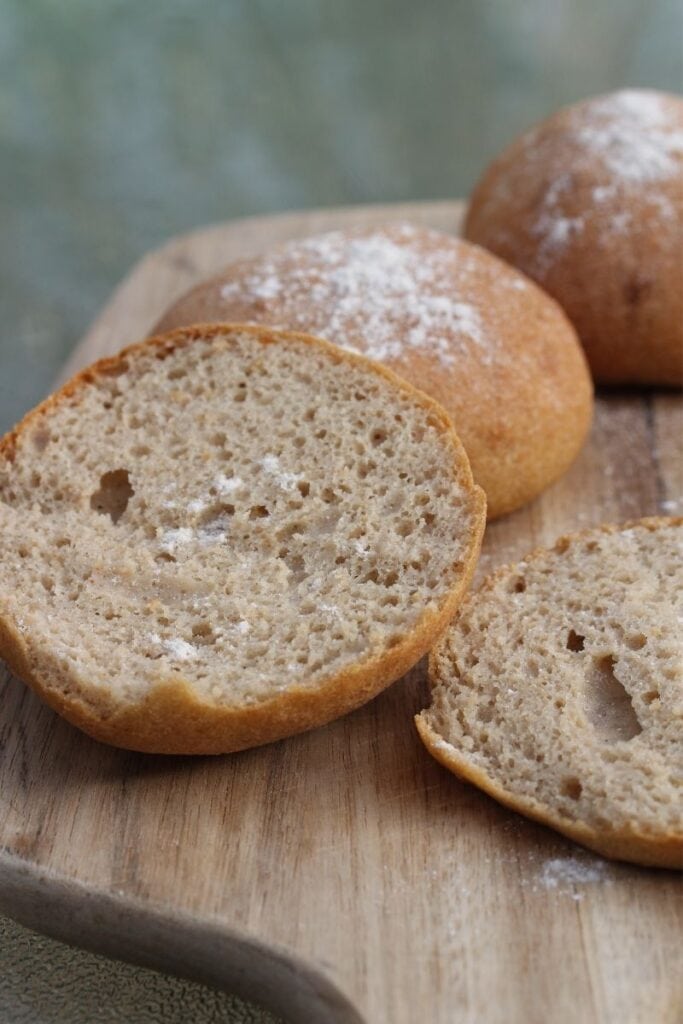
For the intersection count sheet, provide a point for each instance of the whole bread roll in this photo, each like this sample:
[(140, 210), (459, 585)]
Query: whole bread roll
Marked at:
[(495, 351), (589, 203)]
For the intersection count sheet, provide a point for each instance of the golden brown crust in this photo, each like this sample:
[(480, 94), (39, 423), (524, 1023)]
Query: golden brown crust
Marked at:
[(620, 844), (171, 719), (613, 264), (629, 843), (522, 411)]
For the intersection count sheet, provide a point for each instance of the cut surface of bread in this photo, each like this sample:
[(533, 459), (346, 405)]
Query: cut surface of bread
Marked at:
[(494, 350), (558, 690), (227, 535)]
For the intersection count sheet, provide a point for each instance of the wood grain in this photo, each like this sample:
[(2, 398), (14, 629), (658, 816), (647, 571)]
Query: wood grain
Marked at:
[(343, 875)]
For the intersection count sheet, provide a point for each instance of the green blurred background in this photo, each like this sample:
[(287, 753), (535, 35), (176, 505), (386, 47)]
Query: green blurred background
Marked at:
[(126, 121)]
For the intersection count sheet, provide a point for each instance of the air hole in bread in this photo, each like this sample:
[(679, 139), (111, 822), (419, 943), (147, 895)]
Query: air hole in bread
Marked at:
[(378, 436), (365, 468), (303, 488), (651, 696), (40, 438), (258, 512), (203, 634), (636, 642), (177, 373), (571, 787), (215, 513), (114, 493), (519, 585), (608, 705), (297, 566), (575, 641)]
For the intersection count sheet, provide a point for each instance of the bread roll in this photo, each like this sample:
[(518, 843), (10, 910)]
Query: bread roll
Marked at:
[(483, 340), (590, 204), (227, 535), (558, 690)]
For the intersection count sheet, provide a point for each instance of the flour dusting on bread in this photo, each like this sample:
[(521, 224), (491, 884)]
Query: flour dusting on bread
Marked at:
[(376, 282)]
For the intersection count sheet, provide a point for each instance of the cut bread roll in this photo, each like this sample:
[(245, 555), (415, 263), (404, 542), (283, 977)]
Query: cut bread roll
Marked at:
[(558, 690), (228, 535), (474, 333)]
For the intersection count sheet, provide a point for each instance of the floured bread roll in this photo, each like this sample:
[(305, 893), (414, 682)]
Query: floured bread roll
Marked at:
[(590, 204), (490, 346)]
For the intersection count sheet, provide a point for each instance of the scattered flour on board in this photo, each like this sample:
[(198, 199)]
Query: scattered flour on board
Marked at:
[(380, 293), (565, 873)]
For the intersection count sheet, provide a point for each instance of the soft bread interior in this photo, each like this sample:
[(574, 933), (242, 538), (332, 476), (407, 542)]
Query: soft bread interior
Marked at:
[(244, 515), (560, 684)]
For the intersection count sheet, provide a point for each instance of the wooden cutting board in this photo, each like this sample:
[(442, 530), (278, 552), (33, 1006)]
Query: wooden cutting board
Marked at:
[(343, 875)]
